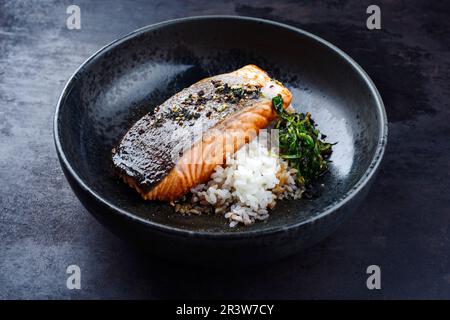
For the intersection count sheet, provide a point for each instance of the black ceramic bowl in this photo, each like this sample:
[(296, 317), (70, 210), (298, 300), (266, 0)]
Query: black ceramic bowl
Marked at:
[(129, 77)]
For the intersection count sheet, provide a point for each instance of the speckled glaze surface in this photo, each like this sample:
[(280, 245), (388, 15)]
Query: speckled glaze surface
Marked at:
[(126, 79)]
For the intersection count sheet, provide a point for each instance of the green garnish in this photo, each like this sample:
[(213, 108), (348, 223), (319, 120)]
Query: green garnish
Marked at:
[(301, 144)]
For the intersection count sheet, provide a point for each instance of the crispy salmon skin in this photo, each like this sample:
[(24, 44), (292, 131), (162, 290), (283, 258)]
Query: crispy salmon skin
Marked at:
[(178, 145)]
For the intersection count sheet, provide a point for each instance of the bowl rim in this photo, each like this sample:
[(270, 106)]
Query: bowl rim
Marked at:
[(241, 234)]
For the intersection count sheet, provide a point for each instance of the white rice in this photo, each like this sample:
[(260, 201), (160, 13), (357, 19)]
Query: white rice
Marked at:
[(246, 187)]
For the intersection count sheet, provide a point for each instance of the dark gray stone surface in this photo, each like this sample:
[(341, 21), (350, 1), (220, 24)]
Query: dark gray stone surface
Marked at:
[(403, 226)]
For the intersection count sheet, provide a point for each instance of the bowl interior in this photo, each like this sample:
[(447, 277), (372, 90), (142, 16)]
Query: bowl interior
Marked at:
[(128, 79)]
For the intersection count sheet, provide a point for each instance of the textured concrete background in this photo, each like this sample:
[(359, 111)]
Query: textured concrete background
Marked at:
[(404, 226)]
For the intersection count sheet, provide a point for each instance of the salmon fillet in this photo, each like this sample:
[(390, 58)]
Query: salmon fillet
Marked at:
[(176, 147)]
